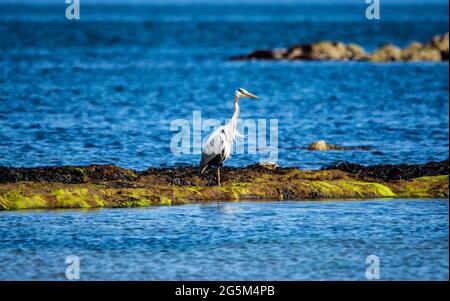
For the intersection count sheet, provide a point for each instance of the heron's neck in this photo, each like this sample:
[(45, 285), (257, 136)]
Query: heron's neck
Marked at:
[(235, 116)]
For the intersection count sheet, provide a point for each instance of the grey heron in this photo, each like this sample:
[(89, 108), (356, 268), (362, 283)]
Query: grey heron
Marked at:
[(219, 144)]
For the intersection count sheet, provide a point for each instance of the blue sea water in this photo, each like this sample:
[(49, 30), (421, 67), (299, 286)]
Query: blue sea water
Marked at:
[(310, 240), (105, 88)]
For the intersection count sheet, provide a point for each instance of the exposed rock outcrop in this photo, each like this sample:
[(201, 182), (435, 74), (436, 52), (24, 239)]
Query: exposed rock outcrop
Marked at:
[(111, 186), (435, 50), (321, 145), (387, 53)]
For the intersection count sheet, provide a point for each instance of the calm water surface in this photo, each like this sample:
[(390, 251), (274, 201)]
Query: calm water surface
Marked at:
[(219, 241)]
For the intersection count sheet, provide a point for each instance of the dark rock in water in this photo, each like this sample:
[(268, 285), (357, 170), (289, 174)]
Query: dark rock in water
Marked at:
[(321, 145), (435, 50), (298, 52), (262, 55), (441, 43), (357, 52), (66, 174), (418, 52), (387, 53), (325, 50), (330, 51), (393, 172), (257, 54)]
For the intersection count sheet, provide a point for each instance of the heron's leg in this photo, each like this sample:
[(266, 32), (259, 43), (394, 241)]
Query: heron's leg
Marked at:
[(218, 175)]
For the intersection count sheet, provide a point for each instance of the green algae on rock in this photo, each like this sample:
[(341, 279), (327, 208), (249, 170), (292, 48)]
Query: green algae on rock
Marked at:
[(97, 186)]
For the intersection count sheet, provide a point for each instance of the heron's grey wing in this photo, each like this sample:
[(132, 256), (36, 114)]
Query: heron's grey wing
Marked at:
[(213, 147)]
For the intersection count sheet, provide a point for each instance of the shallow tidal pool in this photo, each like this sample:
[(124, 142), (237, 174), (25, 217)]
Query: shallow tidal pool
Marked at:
[(296, 240)]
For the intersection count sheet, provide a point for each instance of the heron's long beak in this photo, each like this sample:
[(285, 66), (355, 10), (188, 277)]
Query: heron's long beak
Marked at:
[(252, 96)]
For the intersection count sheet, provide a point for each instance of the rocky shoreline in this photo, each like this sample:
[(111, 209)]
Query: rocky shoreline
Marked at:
[(437, 49), (96, 186)]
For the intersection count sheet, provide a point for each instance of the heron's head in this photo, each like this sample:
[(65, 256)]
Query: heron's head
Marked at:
[(241, 93)]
